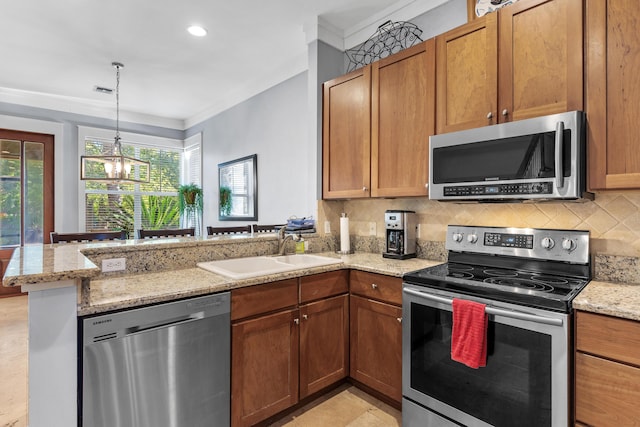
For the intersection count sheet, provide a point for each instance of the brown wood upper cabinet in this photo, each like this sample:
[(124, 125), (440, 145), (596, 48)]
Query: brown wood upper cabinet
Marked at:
[(526, 60), (612, 92), (376, 127)]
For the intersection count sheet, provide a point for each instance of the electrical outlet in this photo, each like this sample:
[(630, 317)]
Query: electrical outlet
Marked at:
[(114, 264), (327, 227), (372, 228)]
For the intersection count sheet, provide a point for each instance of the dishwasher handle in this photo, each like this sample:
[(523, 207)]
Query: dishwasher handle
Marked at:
[(164, 323)]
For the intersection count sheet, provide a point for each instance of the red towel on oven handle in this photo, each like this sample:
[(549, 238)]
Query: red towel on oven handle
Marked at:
[(469, 335)]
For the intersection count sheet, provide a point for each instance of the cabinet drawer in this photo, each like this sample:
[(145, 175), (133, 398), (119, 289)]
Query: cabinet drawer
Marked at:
[(323, 285), (260, 299), (607, 336), (607, 393), (376, 286)]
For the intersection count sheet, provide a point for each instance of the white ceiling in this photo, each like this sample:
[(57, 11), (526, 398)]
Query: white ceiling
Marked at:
[(55, 52)]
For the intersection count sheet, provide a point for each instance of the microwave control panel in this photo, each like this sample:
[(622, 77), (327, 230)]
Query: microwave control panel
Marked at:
[(498, 189)]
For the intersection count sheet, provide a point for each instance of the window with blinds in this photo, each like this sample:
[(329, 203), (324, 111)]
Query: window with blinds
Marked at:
[(153, 205)]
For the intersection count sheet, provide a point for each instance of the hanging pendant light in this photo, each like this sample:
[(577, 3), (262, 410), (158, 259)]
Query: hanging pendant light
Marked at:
[(115, 167)]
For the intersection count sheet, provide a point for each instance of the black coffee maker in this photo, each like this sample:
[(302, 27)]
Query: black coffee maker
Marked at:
[(400, 234)]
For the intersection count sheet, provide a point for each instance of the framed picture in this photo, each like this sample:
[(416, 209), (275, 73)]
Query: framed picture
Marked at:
[(238, 189), (477, 8)]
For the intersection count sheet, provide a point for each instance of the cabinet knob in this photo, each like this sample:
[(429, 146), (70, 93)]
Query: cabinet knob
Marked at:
[(374, 286), (399, 319), (505, 112), (305, 317), (364, 188), (490, 115), (296, 321), (426, 185)]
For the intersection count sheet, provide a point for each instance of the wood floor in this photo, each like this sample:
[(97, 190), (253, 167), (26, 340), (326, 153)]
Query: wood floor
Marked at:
[(345, 406)]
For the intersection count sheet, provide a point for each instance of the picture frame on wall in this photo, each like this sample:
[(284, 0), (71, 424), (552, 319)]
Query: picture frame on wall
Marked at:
[(478, 8)]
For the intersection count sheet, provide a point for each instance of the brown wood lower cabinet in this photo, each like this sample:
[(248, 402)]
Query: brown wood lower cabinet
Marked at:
[(264, 365), (607, 371), (376, 345), (324, 343), (283, 350)]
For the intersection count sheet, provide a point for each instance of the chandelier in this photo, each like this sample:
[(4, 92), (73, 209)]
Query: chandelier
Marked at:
[(115, 167)]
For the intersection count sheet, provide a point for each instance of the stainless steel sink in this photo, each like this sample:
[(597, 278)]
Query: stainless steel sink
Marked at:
[(244, 268)]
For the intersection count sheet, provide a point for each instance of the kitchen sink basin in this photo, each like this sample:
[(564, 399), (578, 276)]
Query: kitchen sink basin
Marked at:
[(244, 268)]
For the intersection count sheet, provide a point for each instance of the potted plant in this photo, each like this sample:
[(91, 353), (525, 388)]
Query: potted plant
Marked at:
[(190, 202), (225, 201)]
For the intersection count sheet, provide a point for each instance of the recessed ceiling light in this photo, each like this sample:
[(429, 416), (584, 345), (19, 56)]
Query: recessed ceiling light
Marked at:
[(196, 30)]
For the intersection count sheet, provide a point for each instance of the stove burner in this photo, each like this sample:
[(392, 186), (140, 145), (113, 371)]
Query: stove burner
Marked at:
[(459, 267), (501, 273), (527, 284), (460, 275), (551, 280)]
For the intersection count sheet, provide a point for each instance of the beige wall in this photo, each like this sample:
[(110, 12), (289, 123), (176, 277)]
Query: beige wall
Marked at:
[(613, 218)]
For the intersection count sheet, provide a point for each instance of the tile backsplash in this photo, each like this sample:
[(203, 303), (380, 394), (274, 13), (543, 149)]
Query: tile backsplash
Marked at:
[(613, 218)]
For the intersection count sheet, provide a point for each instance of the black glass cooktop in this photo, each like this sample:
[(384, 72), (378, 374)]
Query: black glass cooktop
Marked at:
[(531, 288)]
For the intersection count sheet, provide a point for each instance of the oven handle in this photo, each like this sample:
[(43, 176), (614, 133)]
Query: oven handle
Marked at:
[(491, 310)]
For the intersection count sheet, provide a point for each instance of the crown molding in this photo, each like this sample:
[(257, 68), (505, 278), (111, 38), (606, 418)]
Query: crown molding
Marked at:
[(85, 107)]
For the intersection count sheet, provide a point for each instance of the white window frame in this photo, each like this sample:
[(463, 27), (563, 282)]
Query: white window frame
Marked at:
[(191, 144)]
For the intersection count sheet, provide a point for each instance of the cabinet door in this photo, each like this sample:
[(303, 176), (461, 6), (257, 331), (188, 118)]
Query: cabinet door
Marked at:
[(346, 136), (539, 58), (403, 102), (612, 92), (264, 367), (467, 75), (324, 343), (376, 346), (607, 393)]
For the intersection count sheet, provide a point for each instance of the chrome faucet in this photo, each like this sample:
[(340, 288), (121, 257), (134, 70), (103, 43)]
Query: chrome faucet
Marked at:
[(282, 239)]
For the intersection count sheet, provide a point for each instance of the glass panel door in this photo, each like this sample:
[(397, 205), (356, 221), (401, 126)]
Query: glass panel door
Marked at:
[(26, 188)]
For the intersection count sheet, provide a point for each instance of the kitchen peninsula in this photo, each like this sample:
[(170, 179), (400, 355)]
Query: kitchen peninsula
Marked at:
[(65, 282)]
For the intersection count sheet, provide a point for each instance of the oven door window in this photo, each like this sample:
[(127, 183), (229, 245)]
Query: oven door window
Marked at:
[(514, 388)]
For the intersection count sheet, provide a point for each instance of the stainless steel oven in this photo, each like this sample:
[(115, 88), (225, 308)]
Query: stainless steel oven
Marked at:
[(527, 279)]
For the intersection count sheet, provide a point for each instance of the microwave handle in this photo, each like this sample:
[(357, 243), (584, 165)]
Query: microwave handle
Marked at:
[(559, 150), (490, 310)]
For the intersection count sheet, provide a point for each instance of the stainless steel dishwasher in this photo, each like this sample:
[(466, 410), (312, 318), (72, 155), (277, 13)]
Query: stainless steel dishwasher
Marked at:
[(163, 365)]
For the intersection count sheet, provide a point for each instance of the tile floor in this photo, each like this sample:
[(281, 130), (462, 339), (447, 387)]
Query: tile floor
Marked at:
[(344, 406), (13, 361)]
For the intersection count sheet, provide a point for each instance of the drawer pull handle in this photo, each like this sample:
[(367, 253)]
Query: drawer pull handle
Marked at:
[(399, 319), (296, 321), (374, 286), (305, 317)]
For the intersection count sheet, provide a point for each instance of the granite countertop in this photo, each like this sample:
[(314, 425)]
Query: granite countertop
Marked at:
[(139, 289), (32, 264), (613, 299), (35, 264)]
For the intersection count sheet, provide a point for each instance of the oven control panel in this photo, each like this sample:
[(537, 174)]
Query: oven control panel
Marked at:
[(550, 244)]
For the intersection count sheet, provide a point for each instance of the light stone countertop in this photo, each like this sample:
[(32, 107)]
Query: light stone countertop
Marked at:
[(50, 263), (42, 263), (140, 289), (613, 299)]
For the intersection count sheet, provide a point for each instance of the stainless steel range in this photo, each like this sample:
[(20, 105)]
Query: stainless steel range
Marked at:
[(527, 279)]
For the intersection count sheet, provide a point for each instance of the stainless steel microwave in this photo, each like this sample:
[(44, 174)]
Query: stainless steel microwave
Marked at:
[(534, 159)]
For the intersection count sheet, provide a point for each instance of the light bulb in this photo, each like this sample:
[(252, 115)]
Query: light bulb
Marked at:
[(108, 168), (127, 169), (118, 167)]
